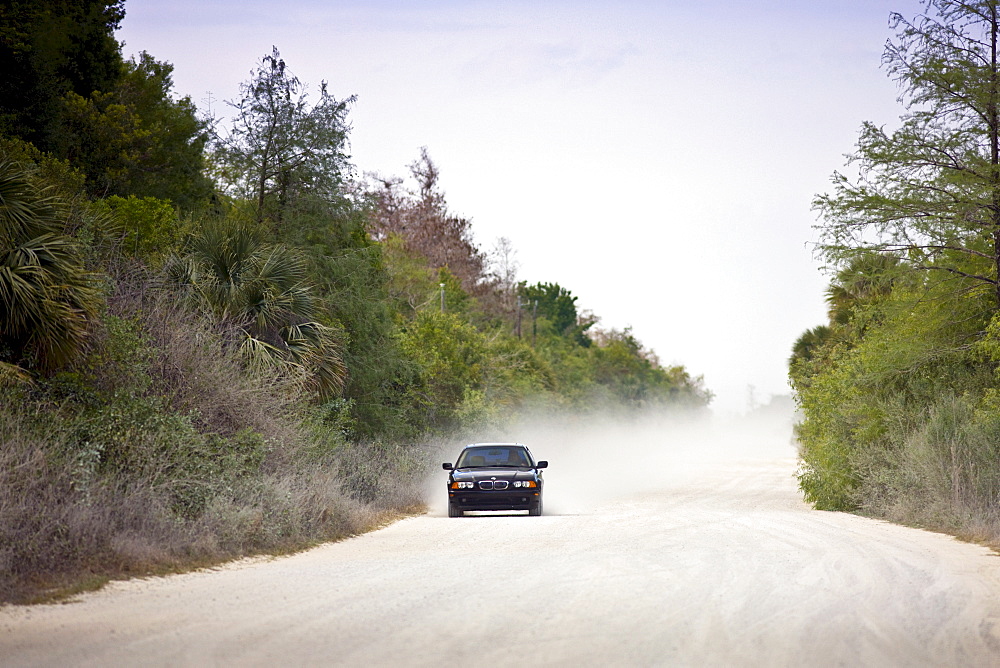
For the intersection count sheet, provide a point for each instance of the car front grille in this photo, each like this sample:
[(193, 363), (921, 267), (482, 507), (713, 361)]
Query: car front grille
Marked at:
[(493, 484)]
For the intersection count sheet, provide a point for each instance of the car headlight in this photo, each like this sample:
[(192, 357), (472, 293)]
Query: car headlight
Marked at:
[(462, 485), (524, 483)]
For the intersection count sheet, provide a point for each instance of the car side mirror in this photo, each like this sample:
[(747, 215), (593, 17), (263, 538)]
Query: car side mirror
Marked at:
[(542, 464), (447, 466)]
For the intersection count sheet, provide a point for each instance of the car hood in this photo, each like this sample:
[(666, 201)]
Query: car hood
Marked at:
[(524, 473)]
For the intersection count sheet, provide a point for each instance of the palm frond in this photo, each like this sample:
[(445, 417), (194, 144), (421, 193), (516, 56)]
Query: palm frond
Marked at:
[(47, 297), (11, 375)]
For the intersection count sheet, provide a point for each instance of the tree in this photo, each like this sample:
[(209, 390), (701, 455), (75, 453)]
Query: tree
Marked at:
[(453, 356), (866, 278), (280, 145), (426, 226), (928, 193), (634, 377), (49, 48), (808, 345), (354, 293), (558, 305), (48, 301), (468, 373), (503, 267), (65, 88), (135, 139)]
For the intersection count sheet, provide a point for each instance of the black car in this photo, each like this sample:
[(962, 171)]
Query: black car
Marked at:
[(495, 476)]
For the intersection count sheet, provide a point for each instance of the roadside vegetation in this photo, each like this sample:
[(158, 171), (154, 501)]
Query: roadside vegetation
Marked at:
[(220, 340), (900, 389)]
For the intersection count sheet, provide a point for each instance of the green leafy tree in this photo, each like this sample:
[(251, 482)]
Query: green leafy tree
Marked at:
[(453, 356), (135, 139), (928, 194), (894, 388), (558, 306), (354, 295), (866, 402), (468, 374), (280, 145), (634, 377), (65, 87), (48, 300), (173, 164), (49, 48)]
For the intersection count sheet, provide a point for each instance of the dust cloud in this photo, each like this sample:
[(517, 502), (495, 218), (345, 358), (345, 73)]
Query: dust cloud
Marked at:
[(594, 460)]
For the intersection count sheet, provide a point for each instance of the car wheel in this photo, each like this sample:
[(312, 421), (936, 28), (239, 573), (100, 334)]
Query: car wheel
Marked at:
[(454, 511), (535, 512)]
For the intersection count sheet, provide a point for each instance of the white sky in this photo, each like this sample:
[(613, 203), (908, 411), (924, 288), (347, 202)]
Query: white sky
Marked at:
[(658, 159)]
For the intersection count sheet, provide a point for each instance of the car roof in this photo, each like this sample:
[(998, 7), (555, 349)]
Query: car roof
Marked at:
[(487, 445)]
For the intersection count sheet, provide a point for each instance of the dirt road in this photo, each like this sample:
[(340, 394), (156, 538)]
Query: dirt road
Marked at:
[(725, 566)]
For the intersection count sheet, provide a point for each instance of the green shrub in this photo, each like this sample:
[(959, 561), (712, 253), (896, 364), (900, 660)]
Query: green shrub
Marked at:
[(144, 227)]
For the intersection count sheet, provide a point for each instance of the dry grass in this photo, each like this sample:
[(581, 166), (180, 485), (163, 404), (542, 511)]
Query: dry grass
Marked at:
[(55, 536), (942, 473), (170, 458)]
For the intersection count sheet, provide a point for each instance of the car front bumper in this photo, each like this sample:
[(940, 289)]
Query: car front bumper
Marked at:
[(474, 499)]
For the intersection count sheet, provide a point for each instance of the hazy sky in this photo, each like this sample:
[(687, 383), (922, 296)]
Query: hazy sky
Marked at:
[(658, 159)]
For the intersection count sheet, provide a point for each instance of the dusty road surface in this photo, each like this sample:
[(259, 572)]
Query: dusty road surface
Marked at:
[(712, 564)]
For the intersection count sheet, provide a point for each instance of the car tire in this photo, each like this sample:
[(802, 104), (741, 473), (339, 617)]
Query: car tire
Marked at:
[(453, 511), (535, 512)]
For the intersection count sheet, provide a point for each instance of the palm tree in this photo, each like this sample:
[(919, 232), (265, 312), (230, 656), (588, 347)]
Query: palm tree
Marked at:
[(865, 279), (48, 300), (260, 294), (811, 341)]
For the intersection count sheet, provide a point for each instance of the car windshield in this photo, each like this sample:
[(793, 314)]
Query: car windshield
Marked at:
[(499, 456)]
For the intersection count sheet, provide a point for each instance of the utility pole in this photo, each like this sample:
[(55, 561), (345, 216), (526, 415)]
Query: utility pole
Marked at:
[(208, 101), (442, 297), (534, 322), (518, 326)]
